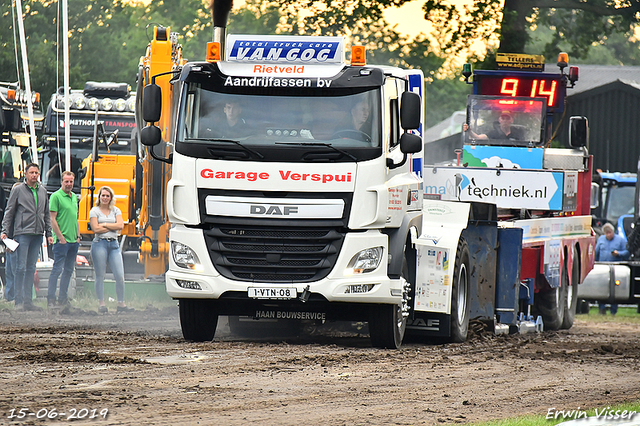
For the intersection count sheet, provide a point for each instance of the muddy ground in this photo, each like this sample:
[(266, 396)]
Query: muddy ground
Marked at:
[(136, 369)]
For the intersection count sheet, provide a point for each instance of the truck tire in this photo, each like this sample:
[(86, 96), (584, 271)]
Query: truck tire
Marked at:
[(386, 326), (572, 294), (460, 294), (551, 304), (387, 323), (198, 319)]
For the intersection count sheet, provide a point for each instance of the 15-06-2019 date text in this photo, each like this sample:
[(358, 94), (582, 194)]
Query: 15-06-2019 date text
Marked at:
[(53, 413)]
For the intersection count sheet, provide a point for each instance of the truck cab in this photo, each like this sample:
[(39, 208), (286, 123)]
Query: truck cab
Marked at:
[(101, 126), (615, 194)]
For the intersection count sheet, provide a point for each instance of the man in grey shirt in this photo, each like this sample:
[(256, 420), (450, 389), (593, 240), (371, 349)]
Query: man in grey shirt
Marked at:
[(26, 219)]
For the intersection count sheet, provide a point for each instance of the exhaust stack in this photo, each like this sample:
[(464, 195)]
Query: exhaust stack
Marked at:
[(220, 12)]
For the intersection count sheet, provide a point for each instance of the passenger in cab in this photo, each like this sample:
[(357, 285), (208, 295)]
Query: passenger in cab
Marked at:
[(358, 123)]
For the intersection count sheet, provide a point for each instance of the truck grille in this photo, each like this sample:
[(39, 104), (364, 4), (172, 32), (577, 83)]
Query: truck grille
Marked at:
[(273, 254)]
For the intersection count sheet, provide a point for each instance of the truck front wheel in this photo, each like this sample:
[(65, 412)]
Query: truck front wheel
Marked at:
[(387, 323), (460, 293), (198, 319), (386, 326), (572, 294)]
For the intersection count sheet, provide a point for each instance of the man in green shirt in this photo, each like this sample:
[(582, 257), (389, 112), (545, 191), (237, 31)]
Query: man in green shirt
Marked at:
[(63, 207)]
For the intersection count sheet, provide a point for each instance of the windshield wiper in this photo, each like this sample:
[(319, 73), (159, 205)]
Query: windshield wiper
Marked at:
[(328, 145), (249, 150)]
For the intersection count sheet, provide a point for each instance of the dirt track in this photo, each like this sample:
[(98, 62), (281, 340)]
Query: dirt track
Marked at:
[(139, 369)]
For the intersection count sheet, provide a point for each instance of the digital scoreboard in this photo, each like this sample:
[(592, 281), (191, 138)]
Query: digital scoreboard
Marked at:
[(552, 87)]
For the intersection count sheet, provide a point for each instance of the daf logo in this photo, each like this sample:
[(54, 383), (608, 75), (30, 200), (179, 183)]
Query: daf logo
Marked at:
[(429, 324), (273, 210)]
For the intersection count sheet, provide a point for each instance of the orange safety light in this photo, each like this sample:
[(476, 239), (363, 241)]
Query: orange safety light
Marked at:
[(563, 59), (11, 95), (213, 51), (358, 56)]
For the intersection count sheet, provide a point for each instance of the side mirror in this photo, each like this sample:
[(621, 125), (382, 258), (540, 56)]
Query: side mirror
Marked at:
[(410, 111), (595, 200), (410, 143), (81, 174), (579, 132), (152, 103), (150, 136), (10, 121)]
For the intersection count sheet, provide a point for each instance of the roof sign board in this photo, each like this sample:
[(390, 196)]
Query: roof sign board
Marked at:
[(520, 61), (285, 49)]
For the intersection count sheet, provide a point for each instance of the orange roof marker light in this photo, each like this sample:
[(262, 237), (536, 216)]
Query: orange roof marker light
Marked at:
[(358, 56), (563, 60), (213, 51)]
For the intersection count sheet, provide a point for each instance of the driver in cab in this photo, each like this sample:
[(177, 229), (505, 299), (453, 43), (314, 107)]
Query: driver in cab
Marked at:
[(234, 124), (503, 131), (231, 124)]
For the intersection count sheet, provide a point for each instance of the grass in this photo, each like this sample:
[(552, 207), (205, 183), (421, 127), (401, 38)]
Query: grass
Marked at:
[(86, 299), (625, 315), (541, 420)]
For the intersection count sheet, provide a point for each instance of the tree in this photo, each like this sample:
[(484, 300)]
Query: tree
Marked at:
[(578, 23), (102, 42)]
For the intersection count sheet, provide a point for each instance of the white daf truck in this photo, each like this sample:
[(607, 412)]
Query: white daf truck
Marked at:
[(295, 187)]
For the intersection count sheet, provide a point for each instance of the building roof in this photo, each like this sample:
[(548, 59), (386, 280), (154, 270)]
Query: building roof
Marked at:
[(598, 75)]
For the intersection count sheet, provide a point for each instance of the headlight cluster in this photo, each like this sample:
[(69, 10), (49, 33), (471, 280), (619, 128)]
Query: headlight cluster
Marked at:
[(365, 261), (184, 256), (20, 98), (81, 102)]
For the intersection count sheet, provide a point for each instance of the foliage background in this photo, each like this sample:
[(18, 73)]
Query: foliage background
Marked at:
[(107, 37)]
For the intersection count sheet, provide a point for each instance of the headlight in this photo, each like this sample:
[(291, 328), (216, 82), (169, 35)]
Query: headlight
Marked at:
[(106, 104), (184, 256), (120, 104), (93, 104), (365, 261), (79, 102), (131, 104)]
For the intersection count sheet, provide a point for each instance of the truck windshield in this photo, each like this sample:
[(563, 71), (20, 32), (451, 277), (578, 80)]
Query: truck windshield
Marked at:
[(505, 121), (619, 202), (50, 165), (334, 123)]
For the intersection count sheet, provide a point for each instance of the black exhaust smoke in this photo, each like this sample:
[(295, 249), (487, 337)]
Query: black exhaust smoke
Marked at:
[(220, 11)]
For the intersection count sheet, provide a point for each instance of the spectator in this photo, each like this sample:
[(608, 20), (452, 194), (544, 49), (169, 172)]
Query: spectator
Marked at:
[(27, 219), (63, 206), (610, 248), (106, 223)]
